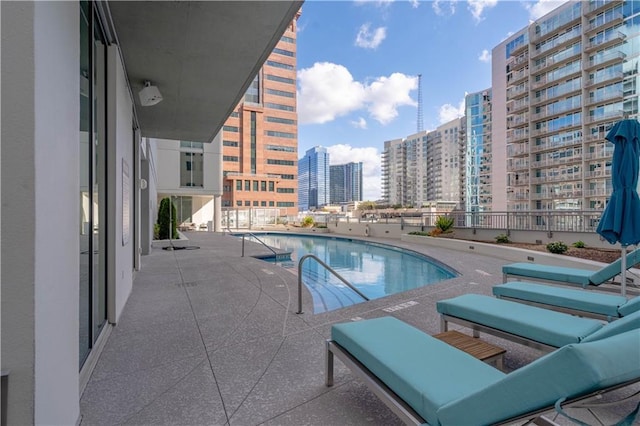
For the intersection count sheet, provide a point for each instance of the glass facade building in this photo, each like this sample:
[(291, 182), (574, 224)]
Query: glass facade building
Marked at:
[(345, 183), (313, 179), (478, 159)]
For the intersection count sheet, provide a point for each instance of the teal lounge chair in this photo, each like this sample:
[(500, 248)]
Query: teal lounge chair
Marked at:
[(584, 303), (573, 276), (425, 381), (529, 325)]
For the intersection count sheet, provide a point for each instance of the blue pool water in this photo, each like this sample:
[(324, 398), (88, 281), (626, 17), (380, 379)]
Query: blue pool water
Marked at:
[(377, 270)]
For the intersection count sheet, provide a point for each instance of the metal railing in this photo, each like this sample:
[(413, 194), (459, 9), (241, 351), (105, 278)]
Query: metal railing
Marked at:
[(328, 268), (258, 240), (549, 220)]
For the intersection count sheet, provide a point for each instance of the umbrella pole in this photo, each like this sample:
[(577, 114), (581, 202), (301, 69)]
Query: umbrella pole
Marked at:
[(623, 275)]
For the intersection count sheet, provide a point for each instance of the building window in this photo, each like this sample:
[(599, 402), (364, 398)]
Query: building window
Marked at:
[(280, 134), (288, 177), (229, 143), (280, 148), (280, 162), (255, 204), (230, 158), (284, 52), (286, 191), (255, 185), (263, 185), (280, 107), (282, 93), (192, 145), (252, 94), (271, 186), (238, 185), (233, 129), (280, 65), (234, 114), (247, 185), (253, 142), (247, 203), (279, 79), (191, 170), (239, 203), (263, 204), (285, 204), (287, 39), (271, 203), (279, 120)]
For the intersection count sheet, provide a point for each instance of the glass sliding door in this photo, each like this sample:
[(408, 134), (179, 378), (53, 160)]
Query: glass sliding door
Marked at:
[(93, 312)]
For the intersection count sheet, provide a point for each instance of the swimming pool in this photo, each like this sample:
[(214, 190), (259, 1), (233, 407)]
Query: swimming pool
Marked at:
[(377, 270)]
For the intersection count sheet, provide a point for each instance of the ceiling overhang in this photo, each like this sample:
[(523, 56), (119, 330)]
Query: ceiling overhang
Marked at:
[(201, 55)]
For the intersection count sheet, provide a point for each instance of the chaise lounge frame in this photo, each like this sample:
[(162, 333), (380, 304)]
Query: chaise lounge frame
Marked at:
[(410, 417)]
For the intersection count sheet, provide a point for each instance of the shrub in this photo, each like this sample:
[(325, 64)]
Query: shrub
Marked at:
[(420, 233), (156, 231), (167, 220), (502, 239), (557, 247), (307, 222), (579, 244), (444, 224), (434, 232)]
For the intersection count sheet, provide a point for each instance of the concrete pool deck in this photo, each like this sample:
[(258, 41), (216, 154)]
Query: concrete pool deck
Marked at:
[(212, 338)]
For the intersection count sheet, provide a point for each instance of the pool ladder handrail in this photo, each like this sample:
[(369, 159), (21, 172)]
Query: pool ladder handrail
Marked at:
[(328, 268), (260, 241)]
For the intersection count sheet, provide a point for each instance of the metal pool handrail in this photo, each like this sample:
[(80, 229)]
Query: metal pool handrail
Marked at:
[(328, 268), (260, 241)]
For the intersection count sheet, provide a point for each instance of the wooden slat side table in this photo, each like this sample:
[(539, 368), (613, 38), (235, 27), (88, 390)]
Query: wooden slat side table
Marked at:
[(474, 346)]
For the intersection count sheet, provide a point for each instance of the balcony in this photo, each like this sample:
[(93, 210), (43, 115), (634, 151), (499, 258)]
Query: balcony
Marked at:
[(616, 19), (596, 7), (606, 41), (609, 116), (607, 58), (514, 166), (518, 76), (519, 62), (550, 144), (515, 92), (557, 43), (606, 173), (514, 135), (609, 77), (515, 106), (609, 96)]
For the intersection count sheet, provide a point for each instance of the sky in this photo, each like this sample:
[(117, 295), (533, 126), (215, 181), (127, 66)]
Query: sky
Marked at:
[(358, 63)]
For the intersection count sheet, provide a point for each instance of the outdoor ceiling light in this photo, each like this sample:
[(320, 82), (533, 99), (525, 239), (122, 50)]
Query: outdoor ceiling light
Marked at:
[(150, 94)]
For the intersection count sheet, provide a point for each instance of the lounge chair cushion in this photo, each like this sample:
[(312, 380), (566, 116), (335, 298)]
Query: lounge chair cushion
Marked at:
[(571, 371), (632, 305), (588, 301), (551, 273), (425, 372), (541, 325), (626, 323)]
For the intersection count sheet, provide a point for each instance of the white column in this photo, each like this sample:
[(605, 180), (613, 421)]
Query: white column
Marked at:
[(217, 213)]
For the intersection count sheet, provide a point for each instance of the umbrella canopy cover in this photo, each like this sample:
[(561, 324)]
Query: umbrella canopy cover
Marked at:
[(620, 221)]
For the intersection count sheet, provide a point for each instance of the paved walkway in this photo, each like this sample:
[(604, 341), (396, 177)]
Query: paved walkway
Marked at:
[(212, 338)]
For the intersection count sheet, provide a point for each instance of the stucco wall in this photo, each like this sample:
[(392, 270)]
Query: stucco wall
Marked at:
[(40, 247)]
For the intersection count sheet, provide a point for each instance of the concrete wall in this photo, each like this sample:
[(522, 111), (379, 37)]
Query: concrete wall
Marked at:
[(40, 246)]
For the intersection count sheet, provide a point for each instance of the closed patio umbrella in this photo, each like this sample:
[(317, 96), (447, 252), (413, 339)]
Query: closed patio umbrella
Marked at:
[(620, 221)]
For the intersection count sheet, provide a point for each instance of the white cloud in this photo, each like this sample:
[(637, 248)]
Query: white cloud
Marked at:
[(485, 56), (542, 7), (370, 158), (370, 39), (327, 91), (386, 94), (477, 7), (360, 123), (414, 3), (449, 112), (443, 7)]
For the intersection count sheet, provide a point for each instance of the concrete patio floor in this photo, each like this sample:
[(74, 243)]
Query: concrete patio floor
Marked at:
[(208, 337)]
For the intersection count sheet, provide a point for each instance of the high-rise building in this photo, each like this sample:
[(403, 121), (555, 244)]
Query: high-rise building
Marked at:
[(313, 179), (260, 138), (478, 157), (404, 170), (425, 166), (345, 183), (558, 86)]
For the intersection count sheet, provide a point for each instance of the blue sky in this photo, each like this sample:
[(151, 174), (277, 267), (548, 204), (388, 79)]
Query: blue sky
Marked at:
[(358, 62)]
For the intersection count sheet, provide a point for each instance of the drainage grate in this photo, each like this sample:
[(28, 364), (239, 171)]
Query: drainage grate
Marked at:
[(187, 284), (400, 306)]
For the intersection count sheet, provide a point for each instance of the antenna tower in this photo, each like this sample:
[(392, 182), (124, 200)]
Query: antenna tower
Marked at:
[(420, 122)]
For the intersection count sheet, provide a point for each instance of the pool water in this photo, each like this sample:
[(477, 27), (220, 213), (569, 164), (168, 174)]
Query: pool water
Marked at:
[(377, 270)]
